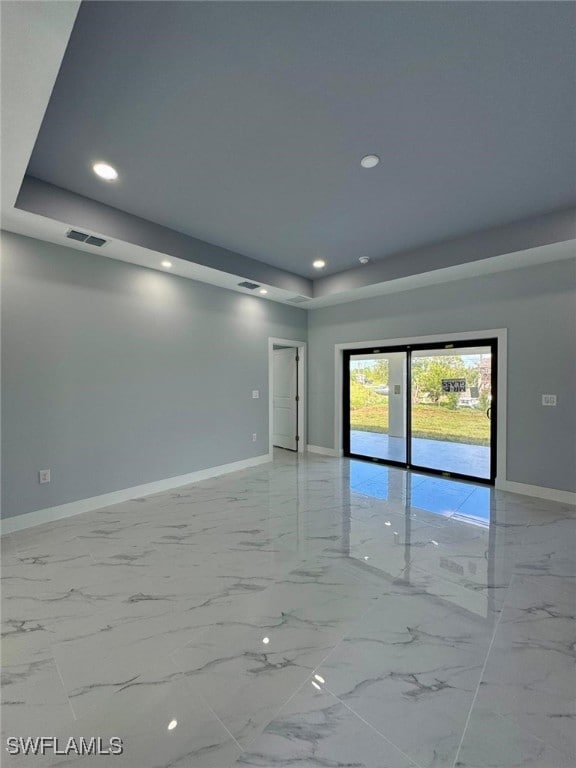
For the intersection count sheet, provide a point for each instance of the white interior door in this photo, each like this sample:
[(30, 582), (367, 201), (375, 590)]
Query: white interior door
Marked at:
[(285, 410)]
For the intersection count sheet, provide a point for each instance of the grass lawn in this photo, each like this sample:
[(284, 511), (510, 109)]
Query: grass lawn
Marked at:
[(431, 421)]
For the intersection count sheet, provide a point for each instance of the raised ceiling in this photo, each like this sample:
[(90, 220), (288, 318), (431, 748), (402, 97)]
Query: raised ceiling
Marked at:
[(242, 124), (421, 232)]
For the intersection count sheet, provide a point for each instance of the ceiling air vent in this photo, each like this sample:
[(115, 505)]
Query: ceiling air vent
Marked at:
[(250, 286), (84, 237), (74, 235), (298, 299), (97, 241)]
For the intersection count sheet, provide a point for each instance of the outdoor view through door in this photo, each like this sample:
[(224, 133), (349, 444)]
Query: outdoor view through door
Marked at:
[(429, 407)]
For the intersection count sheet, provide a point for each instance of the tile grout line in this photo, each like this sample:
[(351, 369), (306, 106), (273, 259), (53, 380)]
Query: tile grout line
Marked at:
[(202, 698), (209, 708), (385, 738), (352, 711), (223, 724), (532, 735), (64, 687), (465, 500), (316, 668), (466, 724), (296, 692)]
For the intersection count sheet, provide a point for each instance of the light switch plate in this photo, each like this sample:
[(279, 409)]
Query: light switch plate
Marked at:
[(44, 476), (548, 399), (255, 394)]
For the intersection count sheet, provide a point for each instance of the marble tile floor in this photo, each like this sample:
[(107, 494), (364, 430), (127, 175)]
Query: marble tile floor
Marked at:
[(308, 612)]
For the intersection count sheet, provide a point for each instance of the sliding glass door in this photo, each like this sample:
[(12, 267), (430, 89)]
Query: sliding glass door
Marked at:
[(451, 409), (427, 407), (377, 405)]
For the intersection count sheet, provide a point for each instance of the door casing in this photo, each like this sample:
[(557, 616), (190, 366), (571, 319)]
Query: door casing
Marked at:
[(301, 346)]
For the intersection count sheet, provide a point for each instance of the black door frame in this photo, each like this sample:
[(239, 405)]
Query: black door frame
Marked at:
[(408, 349)]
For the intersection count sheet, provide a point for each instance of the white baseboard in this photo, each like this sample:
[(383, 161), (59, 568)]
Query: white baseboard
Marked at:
[(323, 451), (50, 514), (537, 491)]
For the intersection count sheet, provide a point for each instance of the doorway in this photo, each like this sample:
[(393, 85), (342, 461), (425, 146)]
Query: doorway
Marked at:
[(287, 389), (430, 407), (285, 398)]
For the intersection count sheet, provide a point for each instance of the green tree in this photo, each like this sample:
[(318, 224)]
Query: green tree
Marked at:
[(362, 396), (380, 372), (428, 372)]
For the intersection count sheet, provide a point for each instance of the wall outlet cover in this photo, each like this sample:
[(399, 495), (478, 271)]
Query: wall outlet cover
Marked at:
[(44, 476)]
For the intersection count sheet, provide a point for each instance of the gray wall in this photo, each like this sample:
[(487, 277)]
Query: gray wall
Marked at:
[(115, 375), (537, 305)]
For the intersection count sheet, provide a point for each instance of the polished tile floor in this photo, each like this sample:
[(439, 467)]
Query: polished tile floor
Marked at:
[(309, 612)]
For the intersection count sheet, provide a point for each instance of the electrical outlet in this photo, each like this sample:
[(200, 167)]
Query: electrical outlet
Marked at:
[(44, 476), (548, 399), (255, 394), (254, 437)]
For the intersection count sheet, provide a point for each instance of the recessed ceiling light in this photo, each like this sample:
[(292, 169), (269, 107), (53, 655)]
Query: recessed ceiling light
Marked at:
[(319, 264), (105, 171), (265, 640), (369, 161), (172, 724), (167, 264), (263, 291)]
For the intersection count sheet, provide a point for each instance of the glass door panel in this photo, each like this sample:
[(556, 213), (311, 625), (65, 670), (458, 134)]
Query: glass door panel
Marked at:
[(451, 408), (377, 405)]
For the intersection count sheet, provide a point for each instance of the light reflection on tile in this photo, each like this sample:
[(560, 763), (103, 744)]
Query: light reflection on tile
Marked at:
[(403, 598)]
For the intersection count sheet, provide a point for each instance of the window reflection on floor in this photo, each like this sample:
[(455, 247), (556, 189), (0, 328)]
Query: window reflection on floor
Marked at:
[(430, 532)]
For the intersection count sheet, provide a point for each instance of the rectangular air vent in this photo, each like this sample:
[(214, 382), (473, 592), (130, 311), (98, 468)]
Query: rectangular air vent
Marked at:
[(74, 235), (246, 284), (97, 241), (84, 237), (298, 299)]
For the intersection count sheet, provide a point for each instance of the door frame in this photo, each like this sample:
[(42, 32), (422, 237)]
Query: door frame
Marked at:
[(408, 350), (500, 334), (301, 346)]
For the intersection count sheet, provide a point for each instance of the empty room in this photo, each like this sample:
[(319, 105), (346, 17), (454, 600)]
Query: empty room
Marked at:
[(288, 384)]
